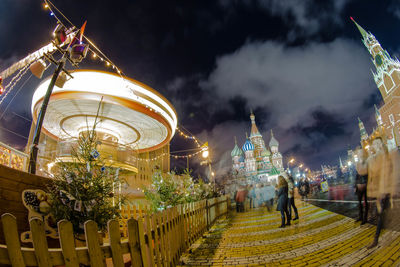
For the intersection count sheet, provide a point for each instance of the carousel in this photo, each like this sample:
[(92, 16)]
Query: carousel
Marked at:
[(131, 118)]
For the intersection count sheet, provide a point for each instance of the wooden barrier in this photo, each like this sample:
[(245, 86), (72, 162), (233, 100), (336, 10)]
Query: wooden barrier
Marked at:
[(144, 239)]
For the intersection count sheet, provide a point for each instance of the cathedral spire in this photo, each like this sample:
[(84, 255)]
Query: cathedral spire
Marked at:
[(254, 130), (340, 163)]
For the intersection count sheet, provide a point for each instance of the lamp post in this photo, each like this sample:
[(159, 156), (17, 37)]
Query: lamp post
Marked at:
[(38, 129), (75, 51), (292, 160), (206, 155)]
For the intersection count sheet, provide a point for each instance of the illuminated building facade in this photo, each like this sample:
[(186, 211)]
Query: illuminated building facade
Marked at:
[(255, 162)]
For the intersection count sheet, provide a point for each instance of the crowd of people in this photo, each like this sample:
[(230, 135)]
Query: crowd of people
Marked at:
[(267, 194), (376, 181)]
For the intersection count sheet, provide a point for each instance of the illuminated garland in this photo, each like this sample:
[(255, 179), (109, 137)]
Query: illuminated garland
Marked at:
[(181, 133)]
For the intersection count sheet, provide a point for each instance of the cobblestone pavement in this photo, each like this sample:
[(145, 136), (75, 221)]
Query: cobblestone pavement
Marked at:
[(319, 238)]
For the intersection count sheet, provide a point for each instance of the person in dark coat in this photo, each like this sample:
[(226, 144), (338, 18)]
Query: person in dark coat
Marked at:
[(282, 195), (291, 204), (361, 184)]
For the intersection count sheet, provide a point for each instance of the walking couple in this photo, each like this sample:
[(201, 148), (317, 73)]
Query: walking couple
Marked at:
[(285, 194)]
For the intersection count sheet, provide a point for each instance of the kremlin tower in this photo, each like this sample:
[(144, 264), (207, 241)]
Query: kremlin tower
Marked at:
[(255, 162), (387, 79)]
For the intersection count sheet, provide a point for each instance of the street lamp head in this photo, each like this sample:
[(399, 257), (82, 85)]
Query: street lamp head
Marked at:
[(291, 160), (205, 153), (301, 165)]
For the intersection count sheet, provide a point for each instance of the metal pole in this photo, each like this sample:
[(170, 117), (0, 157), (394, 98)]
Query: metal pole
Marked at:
[(36, 136), (187, 163)]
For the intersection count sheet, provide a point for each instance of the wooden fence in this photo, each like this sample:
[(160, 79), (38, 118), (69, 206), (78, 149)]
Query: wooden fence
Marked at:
[(144, 240)]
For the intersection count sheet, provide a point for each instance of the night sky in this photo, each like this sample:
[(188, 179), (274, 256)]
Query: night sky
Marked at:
[(299, 65)]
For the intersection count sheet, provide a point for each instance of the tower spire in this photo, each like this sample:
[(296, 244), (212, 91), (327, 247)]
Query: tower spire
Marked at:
[(363, 132), (362, 31), (340, 163), (254, 130)]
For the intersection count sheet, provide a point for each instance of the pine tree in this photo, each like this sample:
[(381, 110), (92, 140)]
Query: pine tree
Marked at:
[(83, 189)]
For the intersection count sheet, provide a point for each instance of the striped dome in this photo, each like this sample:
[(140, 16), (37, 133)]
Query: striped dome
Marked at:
[(236, 151), (248, 145)]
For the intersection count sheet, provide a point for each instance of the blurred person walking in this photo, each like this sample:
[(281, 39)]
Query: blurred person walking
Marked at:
[(361, 184), (268, 195), (252, 196), (240, 198), (291, 204), (282, 201), (383, 172)]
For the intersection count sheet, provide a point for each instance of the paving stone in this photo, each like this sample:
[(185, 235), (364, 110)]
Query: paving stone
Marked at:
[(320, 237)]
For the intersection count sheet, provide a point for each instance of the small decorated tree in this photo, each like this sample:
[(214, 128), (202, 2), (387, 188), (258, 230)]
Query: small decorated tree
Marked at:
[(83, 189), (170, 189)]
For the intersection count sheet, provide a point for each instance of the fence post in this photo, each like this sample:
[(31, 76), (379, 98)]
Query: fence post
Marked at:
[(115, 243), (67, 243), (40, 242), (12, 240), (92, 241), (133, 240)]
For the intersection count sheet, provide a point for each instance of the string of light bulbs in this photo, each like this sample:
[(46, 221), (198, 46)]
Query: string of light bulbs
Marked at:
[(11, 85), (181, 133), (96, 52)]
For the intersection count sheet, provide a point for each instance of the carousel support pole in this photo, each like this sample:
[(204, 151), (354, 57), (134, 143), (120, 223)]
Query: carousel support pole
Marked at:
[(38, 129)]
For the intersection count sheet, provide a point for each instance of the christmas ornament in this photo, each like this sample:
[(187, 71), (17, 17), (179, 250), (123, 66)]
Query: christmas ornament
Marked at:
[(103, 169), (94, 153), (85, 185), (66, 197)]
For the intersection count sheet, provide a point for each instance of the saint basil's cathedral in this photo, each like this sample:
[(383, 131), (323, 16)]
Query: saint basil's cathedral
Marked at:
[(254, 162)]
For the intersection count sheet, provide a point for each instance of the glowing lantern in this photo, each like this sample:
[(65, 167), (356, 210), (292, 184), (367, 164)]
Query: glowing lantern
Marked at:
[(59, 34), (38, 68), (78, 52)]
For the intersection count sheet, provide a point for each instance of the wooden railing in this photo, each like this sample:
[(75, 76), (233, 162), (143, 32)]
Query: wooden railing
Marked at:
[(145, 240)]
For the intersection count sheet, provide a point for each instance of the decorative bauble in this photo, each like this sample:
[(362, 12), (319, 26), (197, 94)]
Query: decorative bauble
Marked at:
[(94, 153), (111, 195), (44, 207), (85, 185)]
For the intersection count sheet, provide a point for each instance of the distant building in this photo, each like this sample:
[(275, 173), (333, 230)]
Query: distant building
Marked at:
[(255, 162)]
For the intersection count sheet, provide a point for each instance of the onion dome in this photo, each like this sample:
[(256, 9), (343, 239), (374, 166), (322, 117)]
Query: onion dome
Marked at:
[(273, 141), (236, 151), (248, 145)]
